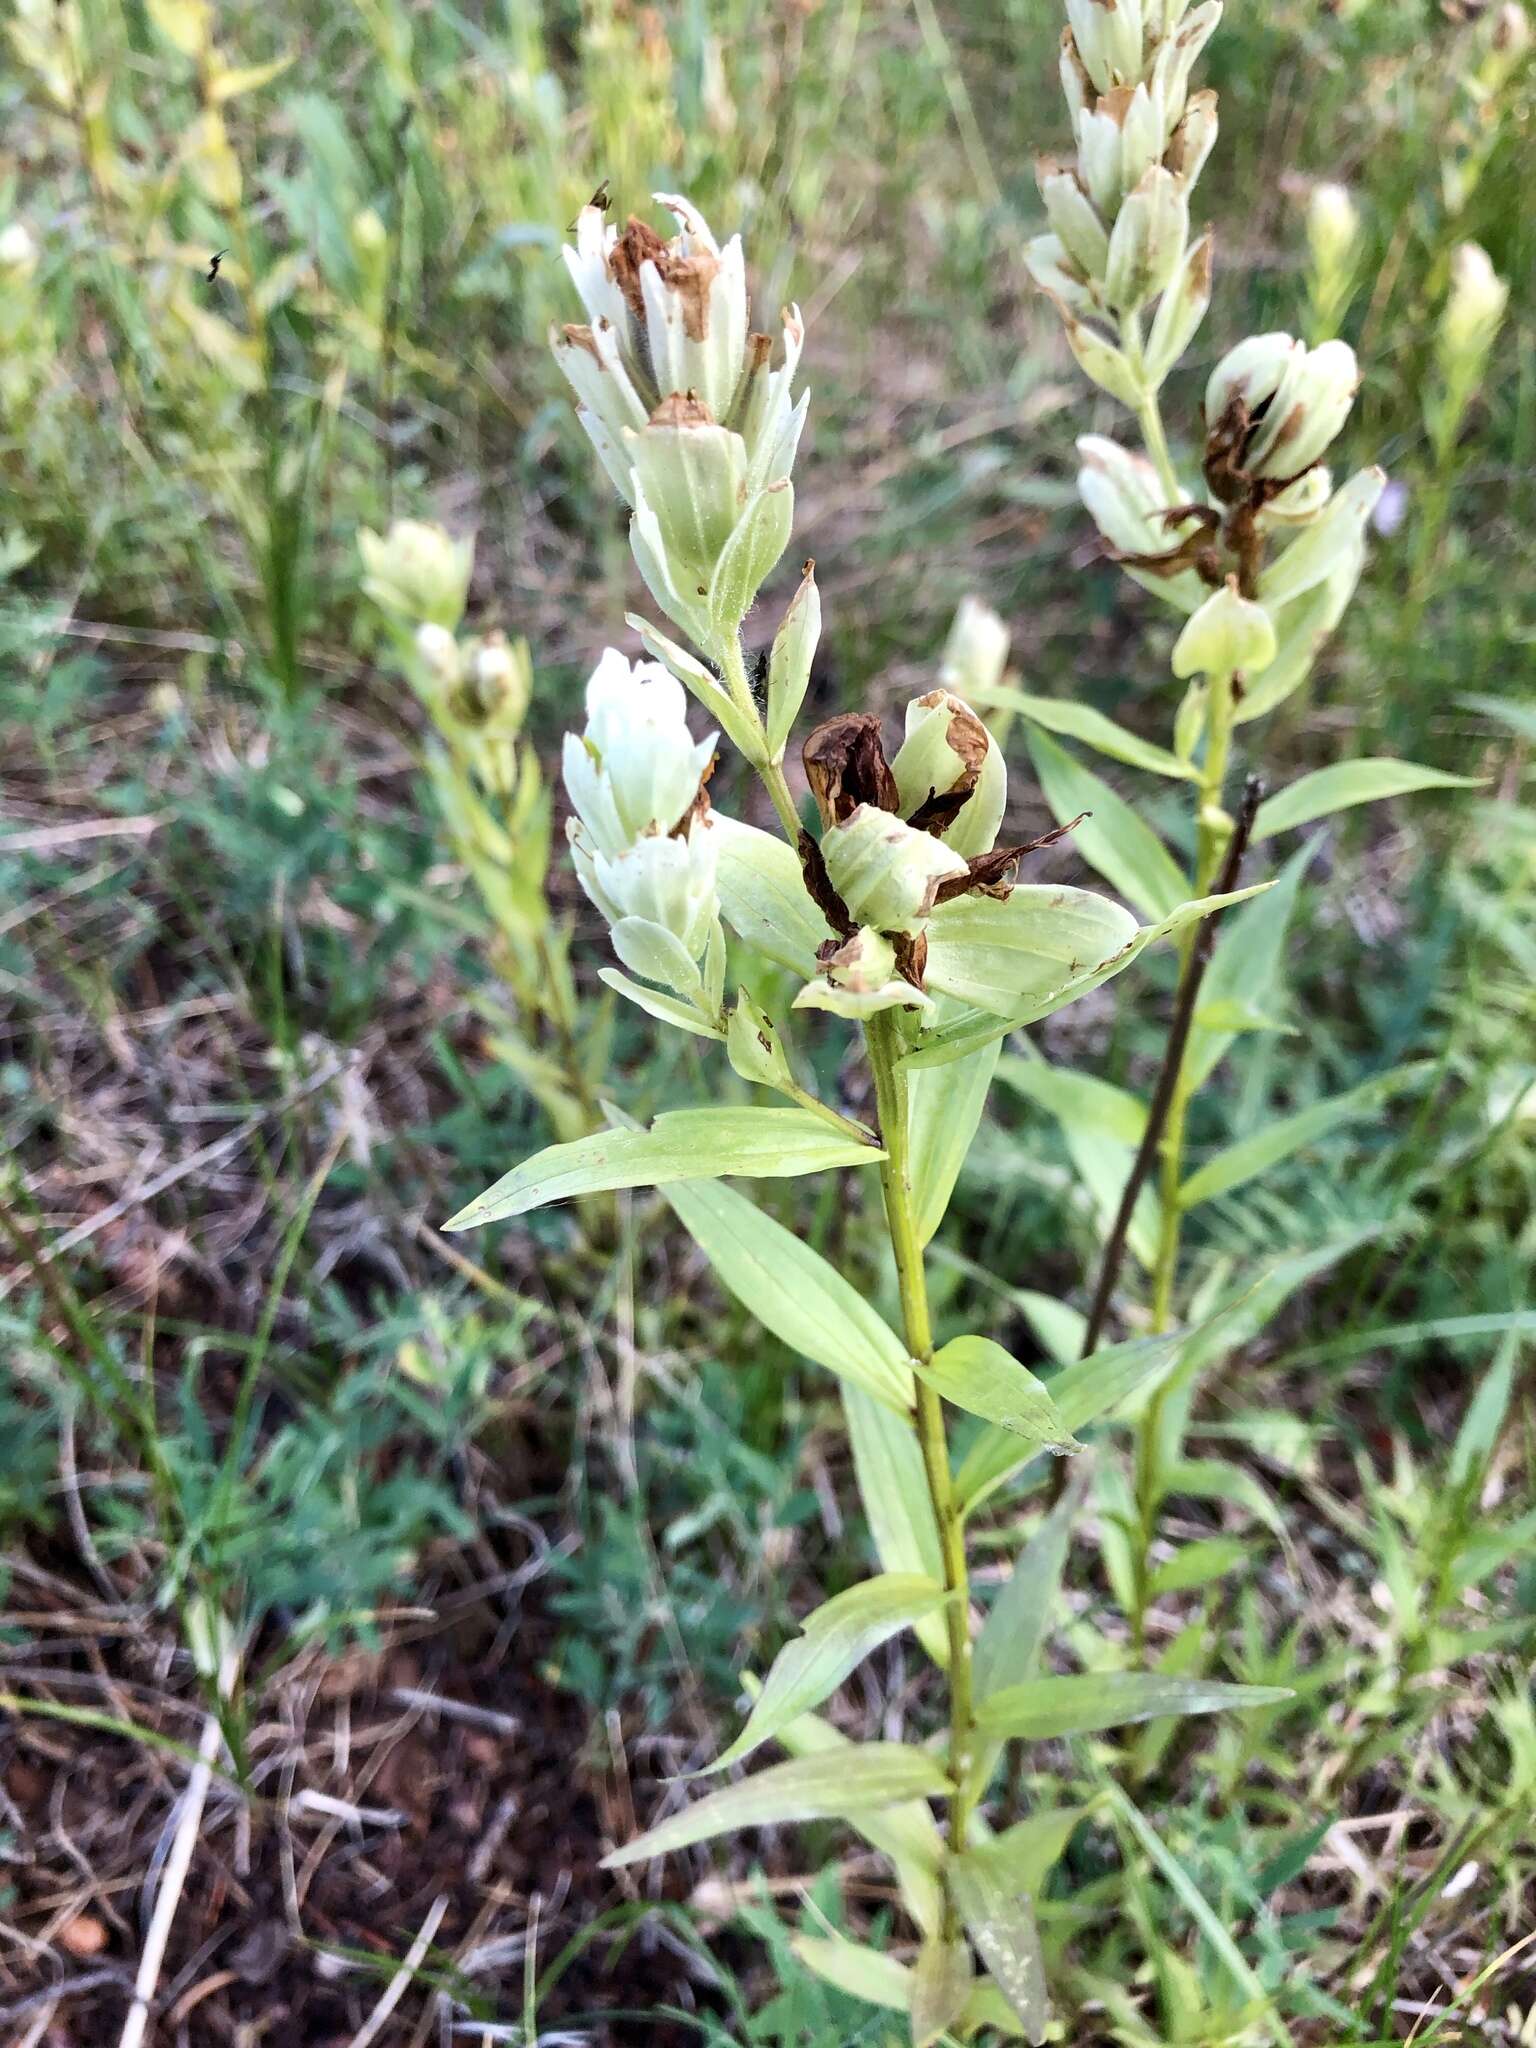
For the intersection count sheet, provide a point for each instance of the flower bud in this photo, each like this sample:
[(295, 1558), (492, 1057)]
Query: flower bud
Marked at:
[(1124, 496), (1051, 265), (1073, 218), (417, 571), (664, 884), (976, 651), (1148, 241), (1229, 634), (1333, 227), (636, 770), (1193, 139), (439, 653), (1474, 309), (497, 685), (950, 774), (886, 872), (1117, 144), (1180, 310), (1108, 36), (18, 253), (1175, 62), (1300, 501), (859, 980), (1295, 398)]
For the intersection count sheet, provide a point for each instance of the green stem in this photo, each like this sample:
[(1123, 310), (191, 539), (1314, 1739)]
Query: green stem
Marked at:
[(906, 1243), (1149, 414)]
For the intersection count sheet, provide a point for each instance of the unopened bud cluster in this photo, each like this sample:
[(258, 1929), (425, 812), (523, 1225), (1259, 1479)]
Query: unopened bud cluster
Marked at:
[(695, 426), (1120, 212)]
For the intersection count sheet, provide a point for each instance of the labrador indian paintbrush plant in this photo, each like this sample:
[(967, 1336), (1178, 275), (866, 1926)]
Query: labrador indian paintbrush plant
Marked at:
[(904, 915)]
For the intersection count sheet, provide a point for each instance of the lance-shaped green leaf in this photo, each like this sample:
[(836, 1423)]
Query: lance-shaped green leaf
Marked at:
[(836, 1638), (941, 1980), (667, 1009), (1010, 1639), (877, 1774), (1114, 839), (1346, 783), (861, 1972), (893, 1486), (1083, 1393), (763, 897), (682, 1145), (984, 1379), (1248, 964), (999, 1917), (907, 1834), (999, 956), (943, 1111), (1082, 722), (795, 1293), (979, 1026), (1083, 1705), (1276, 1141)]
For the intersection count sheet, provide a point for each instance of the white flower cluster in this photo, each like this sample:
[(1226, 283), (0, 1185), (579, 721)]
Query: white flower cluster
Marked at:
[(694, 426), (642, 839)]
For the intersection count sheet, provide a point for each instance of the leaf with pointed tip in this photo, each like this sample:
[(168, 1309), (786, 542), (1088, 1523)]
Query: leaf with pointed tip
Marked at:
[(1327, 790), (877, 1774), (943, 1113), (1082, 722), (682, 1144), (763, 897), (1095, 1700), (1011, 1635), (836, 1638), (666, 1009), (861, 1972), (893, 1486), (794, 1292), (1114, 839), (941, 1981), (984, 1379), (1238, 1163), (999, 1917)]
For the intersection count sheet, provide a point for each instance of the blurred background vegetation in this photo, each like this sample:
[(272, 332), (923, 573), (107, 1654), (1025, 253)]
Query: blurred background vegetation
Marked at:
[(255, 1048)]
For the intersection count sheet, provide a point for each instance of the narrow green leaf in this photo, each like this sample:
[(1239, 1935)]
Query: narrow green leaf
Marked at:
[(1025, 1854), (1194, 1901), (906, 1833), (1094, 1700), (1276, 1141), (1196, 1564), (943, 1113), (1114, 840), (1248, 963), (876, 1774), (984, 1379), (666, 1009), (893, 1486), (861, 1972), (682, 1144), (794, 1292), (1010, 1638), (1000, 1919), (941, 1980), (1081, 1101), (1346, 783), (1082, 722), (838, 1636)]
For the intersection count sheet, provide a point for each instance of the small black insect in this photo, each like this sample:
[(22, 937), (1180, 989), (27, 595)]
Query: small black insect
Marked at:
[(760, 669), (601, 199), (213, 265)]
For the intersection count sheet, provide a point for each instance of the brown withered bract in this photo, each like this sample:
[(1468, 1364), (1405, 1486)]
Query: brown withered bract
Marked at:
[(682, 409), (988, 874), (689, 276), (638, 244), (818, 886), (845, 765), (699, 808), (966, 737)]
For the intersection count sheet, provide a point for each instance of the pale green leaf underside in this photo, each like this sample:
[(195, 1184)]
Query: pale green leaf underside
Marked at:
[(666, 1009), (861, 1972), (682, 1144), (1085, 1704), (1347, 783), (763, 897), (835, 1639), (984, 1379), (793, 1291), (834, 1787), (998, 955), (943, 1113), (893, 1486)]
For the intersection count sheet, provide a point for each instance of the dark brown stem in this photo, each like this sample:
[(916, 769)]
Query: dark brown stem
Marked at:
[(1173, 1061)]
